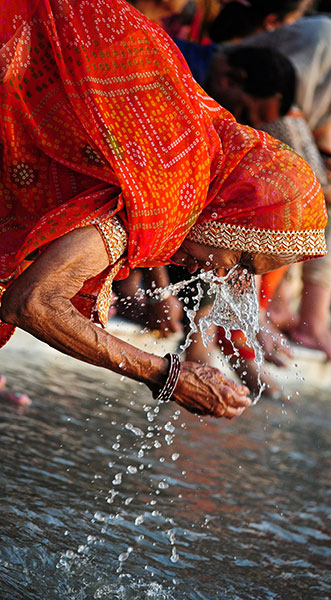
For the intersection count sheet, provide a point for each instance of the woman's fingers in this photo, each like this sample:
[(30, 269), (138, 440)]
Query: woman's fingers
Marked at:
[(230, 404), (240, 402), (238, 388), (233, 412), (204, 390)]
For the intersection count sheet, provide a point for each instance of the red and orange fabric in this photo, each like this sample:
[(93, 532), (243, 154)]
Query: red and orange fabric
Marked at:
[(101, 116)]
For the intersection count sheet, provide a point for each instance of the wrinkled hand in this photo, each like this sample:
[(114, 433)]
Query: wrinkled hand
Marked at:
[(274, 344), (165, 316), (205, 391)]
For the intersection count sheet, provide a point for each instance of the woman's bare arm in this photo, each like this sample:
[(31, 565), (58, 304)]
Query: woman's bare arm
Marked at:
[(39, 302)]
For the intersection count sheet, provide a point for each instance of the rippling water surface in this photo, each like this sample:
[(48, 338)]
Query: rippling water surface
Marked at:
[(104, 497)]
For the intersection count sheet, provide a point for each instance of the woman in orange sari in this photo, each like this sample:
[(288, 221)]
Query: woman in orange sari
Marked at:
[(113, 158)]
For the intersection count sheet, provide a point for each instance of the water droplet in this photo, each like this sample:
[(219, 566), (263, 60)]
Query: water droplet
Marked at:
[(131, 469), (135, 430), (124, 556), (117, 479), (174, 556), (112, 496), (169, 427), (163, 485)]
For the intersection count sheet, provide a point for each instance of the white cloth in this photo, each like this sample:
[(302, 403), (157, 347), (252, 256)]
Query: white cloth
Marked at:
[(294, 131)]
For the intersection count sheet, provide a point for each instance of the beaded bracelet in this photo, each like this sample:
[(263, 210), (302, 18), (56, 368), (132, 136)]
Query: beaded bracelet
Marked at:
[(172, 379)]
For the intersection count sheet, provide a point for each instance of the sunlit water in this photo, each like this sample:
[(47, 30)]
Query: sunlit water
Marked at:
[(235, 306), (102, 496)]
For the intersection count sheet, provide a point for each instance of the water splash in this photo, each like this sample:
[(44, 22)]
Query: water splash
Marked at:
[(128, 588), (235, 306)]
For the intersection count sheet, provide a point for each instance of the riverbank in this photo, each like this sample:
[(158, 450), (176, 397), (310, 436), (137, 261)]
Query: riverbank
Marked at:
[(306, 373)]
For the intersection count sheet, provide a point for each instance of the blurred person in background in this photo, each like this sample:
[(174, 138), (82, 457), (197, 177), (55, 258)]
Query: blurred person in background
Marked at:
[(254, 96), (307, 129), (239, 19)]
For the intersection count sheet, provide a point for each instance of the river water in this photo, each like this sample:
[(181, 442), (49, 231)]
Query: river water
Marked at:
[(104, 497)]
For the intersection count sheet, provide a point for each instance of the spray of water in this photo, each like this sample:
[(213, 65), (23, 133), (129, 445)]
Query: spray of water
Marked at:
[(235, 306)]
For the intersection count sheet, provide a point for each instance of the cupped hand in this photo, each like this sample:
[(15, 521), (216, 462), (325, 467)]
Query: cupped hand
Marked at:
[(205, 391)]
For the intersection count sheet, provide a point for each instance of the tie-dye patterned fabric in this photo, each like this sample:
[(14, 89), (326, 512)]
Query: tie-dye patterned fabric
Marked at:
[(101, 116)]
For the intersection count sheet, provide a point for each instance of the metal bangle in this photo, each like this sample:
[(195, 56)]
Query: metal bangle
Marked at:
[(166, 392)]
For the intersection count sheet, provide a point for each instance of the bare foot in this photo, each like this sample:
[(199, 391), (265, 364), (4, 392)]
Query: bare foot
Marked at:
[(311, 339), (13, 398), (2, 382), (281, 317)]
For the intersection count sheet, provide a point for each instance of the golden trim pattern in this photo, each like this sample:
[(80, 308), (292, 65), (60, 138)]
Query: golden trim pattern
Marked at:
[(105, 294), (310, 242), (114, 237)]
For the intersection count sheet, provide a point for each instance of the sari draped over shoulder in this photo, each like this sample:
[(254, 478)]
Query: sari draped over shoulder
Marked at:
[(100, 116)]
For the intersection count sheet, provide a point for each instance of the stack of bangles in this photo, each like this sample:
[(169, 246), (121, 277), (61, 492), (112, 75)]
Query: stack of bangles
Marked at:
[(165, 393)]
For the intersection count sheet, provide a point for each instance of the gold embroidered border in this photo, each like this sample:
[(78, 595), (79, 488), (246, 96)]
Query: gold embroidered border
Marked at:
[(220, 235), (105, 294), (116, 240), (114, 237)]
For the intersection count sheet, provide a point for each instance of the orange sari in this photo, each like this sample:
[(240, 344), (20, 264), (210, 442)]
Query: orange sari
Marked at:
[(101, 116)]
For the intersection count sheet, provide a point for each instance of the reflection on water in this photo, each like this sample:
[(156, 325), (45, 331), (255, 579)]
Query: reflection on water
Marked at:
[(102, 496)]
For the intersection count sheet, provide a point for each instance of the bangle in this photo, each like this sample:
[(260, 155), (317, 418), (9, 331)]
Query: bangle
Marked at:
[(165, 393)]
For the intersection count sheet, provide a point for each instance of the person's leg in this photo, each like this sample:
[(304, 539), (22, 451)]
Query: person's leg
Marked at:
[(313, 328), (281, 309), (197, 351), (127, 305)]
